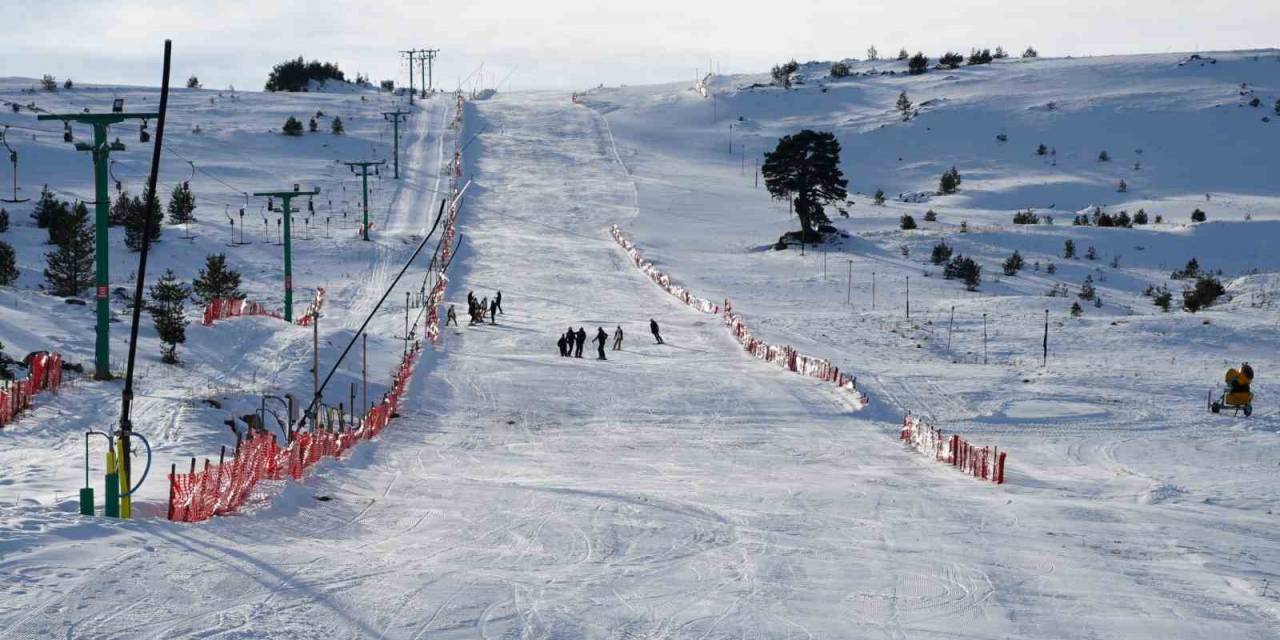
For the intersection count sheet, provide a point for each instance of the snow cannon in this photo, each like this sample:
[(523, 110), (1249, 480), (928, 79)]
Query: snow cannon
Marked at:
[(1236, 395)]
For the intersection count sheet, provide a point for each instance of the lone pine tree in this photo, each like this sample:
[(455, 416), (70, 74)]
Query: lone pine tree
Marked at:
[(806, 168), (69, 267), (168, 312), (182, 205), (137, 219), (216, 281)]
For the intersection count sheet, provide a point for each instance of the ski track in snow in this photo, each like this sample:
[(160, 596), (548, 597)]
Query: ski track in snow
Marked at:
[(673, 491)]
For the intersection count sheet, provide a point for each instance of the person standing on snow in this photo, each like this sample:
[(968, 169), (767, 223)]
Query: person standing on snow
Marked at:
[(497, 303), (564, 347), (580, 338), (493, 311), (484, 308), (617, 339), (452, 318), (600, 340), (653, 328)]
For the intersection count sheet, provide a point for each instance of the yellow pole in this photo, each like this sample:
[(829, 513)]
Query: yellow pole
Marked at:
[(126, 502)]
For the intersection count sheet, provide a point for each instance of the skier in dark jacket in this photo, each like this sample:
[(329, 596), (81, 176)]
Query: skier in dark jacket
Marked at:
[(452, 318), (497, 302), (600, 340), (653, 328), (493, 311), (564, 346), (581, 339)]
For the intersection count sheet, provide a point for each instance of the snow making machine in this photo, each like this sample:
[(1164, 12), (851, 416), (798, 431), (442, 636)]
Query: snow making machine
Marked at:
[(1237, 395)]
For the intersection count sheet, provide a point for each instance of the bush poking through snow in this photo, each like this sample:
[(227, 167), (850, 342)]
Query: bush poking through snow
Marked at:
[(1091, 253), (930, 216), (1198, 216), (1192, 270), (1206, 291), (336, 126), (1026, 217), (313, 125), (918, 64), (951, 60), (293, 75), (907, 222), (963, 268), (292, 127), (1087, 292), (1123, 187), (1076, 310), (1140, 217), (1162, 298), (782, 73), (1069, 249), (904, 106), (839, 70), (1104, 156), (1013, 264), (1042, 150), (879, 197), (1030, 52), (949, 182), (941, 253)]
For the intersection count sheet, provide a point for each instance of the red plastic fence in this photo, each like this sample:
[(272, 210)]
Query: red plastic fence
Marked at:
[(223, 308), (980, 462), (221, 488), (784, 356), (16, 396), (448, 235)]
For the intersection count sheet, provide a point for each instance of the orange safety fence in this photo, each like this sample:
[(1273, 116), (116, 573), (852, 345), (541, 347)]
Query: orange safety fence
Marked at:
[(784, 356), (16, 396)]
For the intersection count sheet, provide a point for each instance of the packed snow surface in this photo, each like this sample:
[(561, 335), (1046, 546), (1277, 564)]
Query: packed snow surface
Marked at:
[(685, 490)]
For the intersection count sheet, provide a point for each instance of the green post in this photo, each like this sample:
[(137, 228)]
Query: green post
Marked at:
[(394, 117), (286, 198), (101, 151), (86, 501), (364, 175), (112, 498)]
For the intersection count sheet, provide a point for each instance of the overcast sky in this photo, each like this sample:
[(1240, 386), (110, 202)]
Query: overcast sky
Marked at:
[(573, 44)]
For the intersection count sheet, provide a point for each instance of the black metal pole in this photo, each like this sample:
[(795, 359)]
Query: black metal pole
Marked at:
[(126, 397)]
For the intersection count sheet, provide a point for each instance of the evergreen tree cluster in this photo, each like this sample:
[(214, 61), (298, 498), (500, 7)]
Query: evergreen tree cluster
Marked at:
[(1206, 291), (980, 57), (1013, 264), (293, 75), (839, 70), (8, 264), (292, 127), (941, 253), (907, 222), (951, 60), (1026, 217), (135, 223), (965, 269), (781, 74), (918, 64)]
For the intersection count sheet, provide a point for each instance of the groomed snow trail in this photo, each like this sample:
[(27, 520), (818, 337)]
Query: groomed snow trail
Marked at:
[(677, 491)]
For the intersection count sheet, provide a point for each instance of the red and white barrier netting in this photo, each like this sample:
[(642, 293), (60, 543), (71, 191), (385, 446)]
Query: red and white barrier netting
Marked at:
[(980, 462), (223, 308), (221, 488), (16, 396), (312, 309), (784, 356), (448, 235)]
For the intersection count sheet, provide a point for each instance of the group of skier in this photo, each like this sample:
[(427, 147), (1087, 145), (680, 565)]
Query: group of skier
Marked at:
[(478, 310), (572, 342)]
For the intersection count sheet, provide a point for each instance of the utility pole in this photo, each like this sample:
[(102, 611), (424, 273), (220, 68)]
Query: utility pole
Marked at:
[(287, 209), (431, 58), (101, 151), (364, 180), (394, 117), (848, 295), (410, 53)]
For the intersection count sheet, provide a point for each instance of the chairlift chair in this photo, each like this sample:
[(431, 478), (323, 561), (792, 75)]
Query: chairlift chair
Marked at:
[(143, 134)]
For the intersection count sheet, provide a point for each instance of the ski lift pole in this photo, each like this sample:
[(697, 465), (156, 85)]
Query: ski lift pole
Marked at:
[(86, 492), (364, 182), (394, 117), (101, 152), (286, 198), (13, 159)]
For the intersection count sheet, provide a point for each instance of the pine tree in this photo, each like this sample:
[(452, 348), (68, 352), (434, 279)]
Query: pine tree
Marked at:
[(292, 127), (949, 182), (1076, 310), (182, 205), (1140, 217), (806, 167), (907, 222), (1124, 187), (941, 253), (1013, 264), (193, 83), (1198, 216), (918, 64), (336, 126), (136, 222), (69, 268), (4, 220), (1069, 249), (879, 197), (1030, 53), (168, 311), (1091, 253), (1087, 291), (965, 269), (313, 125), (1000, 54), (930, 216), (951, 60), (872, 54), (49, 83), (47, 208), (118, 214), (1104, 156), (903, 55), (1042, 150), (904, 105), (60, 223), (8, 265), (216, 281)]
